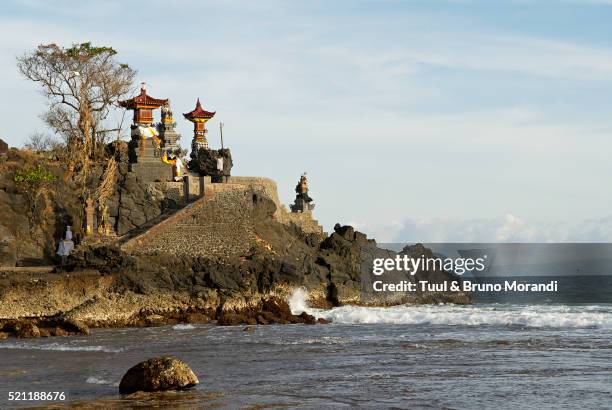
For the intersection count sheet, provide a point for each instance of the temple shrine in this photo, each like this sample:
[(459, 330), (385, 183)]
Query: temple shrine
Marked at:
[(160, 181), (199, 116), (167, 131), (154, 153), (145, 145)]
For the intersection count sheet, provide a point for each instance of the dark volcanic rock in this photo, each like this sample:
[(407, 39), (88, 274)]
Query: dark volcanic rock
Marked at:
[(26, 330), (231, 319), (204, 162), (75, 326), (272, 311), (158, 374)]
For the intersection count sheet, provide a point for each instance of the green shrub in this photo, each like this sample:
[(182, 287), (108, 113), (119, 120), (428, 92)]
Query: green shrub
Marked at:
[(33, 176)]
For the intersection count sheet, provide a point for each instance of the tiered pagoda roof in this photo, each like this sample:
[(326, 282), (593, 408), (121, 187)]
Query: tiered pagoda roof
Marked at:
[(142, 100), (199, 113)]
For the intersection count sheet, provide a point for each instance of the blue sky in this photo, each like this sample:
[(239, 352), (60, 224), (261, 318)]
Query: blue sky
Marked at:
[(416, 120)]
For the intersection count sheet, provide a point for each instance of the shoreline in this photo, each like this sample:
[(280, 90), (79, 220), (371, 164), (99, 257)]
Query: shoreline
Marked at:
[(62, 304)]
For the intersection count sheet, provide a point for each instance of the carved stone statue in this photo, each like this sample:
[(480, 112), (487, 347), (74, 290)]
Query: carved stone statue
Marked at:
[(66, 246), (303, 202)]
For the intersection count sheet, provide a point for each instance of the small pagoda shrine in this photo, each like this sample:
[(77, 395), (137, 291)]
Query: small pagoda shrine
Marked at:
[(145, 147), (199, 116), (303, 202), (143, 106), (167, 130)]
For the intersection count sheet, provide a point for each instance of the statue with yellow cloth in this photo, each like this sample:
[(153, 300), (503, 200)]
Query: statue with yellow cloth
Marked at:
[(177, 166)]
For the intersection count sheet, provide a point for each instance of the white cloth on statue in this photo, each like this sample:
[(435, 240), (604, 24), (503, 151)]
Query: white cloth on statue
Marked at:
[(178, 164), (220, 164), (65, 247), (145, 132)]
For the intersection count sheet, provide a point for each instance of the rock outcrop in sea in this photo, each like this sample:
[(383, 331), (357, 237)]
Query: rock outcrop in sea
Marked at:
[(232, 253)]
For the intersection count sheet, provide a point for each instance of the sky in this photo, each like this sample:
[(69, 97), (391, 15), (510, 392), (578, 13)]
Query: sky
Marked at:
[(416, 120)]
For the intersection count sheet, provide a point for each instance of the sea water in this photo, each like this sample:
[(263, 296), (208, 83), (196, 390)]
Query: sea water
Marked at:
[(500, 356)]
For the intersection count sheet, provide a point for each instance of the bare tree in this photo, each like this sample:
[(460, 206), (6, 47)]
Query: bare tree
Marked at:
[(83, 84), (41, 142)]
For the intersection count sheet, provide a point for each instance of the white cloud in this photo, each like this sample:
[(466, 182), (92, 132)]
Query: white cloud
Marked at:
[(383, 110), (509, 228)]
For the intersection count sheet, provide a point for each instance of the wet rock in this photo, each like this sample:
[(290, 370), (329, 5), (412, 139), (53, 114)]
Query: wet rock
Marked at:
[(323, 321), (58, 331), (75, 326), (248, 329), (26, 330), (277, 307), (195, 318), (308, 319), (231, 319), (153, 320), (158, 374)]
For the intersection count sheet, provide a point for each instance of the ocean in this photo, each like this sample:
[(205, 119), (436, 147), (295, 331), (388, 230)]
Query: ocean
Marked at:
[(490, 355)]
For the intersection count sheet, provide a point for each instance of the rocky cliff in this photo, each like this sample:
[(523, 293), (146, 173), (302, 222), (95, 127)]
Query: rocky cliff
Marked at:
[(232, 255)]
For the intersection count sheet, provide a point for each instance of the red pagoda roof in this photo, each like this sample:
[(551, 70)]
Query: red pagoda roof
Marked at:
[(142, 99), (199, 112)]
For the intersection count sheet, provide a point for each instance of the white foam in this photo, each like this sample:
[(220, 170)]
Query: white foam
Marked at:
[(58, 347), (538, 316), (183, 327), (96, 380), (297, 301)]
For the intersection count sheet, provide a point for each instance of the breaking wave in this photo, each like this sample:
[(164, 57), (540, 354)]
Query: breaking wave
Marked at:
[(59, 347), (528, 316), (536, 316), (96, 380), (297, 301), (183, 327)]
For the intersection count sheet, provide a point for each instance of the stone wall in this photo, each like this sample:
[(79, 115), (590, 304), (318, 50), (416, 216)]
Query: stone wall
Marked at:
[(267, 187), (219, 224)]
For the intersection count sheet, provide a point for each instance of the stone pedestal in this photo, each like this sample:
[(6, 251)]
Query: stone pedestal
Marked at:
[(147, 150), (146, 162)]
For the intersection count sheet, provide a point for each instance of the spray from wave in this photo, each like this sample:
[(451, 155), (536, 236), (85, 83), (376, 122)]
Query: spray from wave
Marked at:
[(297, 301), (535, 316)]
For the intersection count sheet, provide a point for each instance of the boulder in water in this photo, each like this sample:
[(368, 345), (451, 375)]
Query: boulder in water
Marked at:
[(158, 374)]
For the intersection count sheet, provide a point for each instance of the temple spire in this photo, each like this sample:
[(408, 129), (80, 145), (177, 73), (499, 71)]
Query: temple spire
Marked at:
[(199, 116)]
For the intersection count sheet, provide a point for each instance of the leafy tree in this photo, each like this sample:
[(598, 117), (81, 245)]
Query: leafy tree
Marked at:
[(82, 83)]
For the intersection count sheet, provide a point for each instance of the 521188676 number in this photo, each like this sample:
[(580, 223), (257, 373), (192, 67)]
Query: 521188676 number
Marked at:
[(36, 396)]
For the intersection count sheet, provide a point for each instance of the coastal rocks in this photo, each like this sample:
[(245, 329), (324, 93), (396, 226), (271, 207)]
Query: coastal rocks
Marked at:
[(75, 327), (271, 311), (206, 162), (158, 374), (26, 330), (35, 328)]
